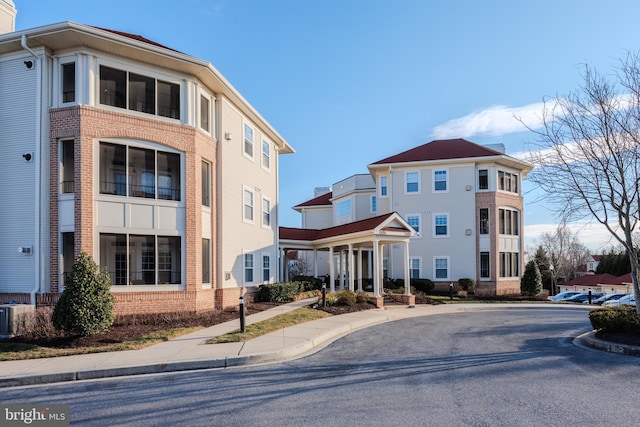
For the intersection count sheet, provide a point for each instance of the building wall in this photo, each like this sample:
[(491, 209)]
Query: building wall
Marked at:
[(237, 172), (19, 136)]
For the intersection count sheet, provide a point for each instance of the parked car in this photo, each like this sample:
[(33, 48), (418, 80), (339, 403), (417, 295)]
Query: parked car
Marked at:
[(607, 297), (584, 297), (563, 295), (629, 299)]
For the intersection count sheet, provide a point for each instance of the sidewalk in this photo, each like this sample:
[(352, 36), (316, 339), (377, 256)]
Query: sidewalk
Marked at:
[(189, 352)]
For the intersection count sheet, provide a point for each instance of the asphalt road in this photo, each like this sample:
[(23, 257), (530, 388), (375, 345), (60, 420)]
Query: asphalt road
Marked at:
[(489, 368)]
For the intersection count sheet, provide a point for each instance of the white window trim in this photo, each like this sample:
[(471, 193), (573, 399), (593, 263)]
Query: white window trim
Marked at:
[(265, 254), (386, 186), (419, 234), (433, 186), (244, 218), (441, 236), (244, 267), (207, 96), (371, 199), (61, 63), (253, 142), (419, 259), (439, 279), (267, 168), (267, 226), (413, 193)]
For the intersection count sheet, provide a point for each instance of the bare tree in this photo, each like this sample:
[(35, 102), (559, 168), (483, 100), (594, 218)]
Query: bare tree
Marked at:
[(565, 253), (587, 154)]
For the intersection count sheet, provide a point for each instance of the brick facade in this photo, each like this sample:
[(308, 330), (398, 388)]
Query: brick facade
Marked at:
[(85, 125)]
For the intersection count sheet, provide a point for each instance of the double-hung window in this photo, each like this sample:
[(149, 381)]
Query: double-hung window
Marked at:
[(266, 155), (248, 205), (440, 180), (248, 268), (266, 212), (412, 180), (441, 268), (206, 184), (383, 186), (266, 268), (205, 113), (374, 204), (414, 221), (441, 225), (248, 141), (484, 265), (414, 268)]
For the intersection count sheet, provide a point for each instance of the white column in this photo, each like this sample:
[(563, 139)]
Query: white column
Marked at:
[(315, 263), (342, 268), (285, 267), (351, 269), (370, 264), (360, 269), (376, 269), (407, 273), (332, 282)]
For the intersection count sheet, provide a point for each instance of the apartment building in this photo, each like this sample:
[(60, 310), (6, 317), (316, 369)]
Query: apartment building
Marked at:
[(463, 202), (144, 157)]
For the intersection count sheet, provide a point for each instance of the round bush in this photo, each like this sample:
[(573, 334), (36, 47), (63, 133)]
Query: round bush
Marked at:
[(86, 304)]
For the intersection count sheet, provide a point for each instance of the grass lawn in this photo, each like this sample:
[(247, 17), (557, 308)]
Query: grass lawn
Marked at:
[(295, 317)]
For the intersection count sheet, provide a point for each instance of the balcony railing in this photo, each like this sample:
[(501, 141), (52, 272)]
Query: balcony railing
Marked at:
[(66, 187)]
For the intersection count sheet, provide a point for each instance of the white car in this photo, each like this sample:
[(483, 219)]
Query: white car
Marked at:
[(563, 296), (609, 297), (629, 299)]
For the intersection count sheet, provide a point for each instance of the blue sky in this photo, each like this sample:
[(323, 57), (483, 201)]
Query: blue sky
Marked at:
[(349, 82)]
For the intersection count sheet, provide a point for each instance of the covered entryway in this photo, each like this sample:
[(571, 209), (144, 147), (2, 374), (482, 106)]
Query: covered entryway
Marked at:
[(354, 251)]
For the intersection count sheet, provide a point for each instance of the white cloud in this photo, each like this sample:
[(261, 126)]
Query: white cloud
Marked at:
[(494, 121)]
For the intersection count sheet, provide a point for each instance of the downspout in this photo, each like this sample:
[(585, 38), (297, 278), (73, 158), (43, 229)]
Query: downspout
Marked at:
[(38, 208)]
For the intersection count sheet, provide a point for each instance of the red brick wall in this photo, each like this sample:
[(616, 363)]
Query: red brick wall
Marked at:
[(86, 124), (494, 201)]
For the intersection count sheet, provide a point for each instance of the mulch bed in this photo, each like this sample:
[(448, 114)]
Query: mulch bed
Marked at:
[(127, 328), (628, 338)]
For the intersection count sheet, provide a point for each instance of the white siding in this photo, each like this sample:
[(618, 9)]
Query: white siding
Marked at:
[(18, 107), (235, 172)]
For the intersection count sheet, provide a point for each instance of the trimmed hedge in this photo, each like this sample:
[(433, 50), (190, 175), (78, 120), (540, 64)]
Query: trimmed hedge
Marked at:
[(467, 284), (623, 318), (309, 283), (279, 292)]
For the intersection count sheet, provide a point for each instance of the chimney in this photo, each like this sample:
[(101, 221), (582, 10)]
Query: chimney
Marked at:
[(7, 16)]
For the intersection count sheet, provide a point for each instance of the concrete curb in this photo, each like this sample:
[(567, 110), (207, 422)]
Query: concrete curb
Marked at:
[(326, 331), (589, 340)]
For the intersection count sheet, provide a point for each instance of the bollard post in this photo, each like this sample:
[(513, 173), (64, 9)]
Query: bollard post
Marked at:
[(242, 325), (589, 297), (451, 291), (324, 294)]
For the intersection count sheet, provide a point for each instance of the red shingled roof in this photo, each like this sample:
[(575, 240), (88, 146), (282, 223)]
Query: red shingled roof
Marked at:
[(307, 234), (136, 37), (594, 280), (322, 200), (441, 150)]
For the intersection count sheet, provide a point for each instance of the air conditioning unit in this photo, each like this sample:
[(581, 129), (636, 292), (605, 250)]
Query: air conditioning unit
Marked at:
[(9, 315)]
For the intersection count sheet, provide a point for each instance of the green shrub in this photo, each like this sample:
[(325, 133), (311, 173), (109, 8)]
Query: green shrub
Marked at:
[(278, 292), (86, 304), (615, 319), (467, 284), (362, 297), (346, 298), (531, 282), (309, 283), (422, 285)]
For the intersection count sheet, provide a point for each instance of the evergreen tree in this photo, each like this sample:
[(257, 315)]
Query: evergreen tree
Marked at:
[(531, 283), (543, 262), (86, 305)]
